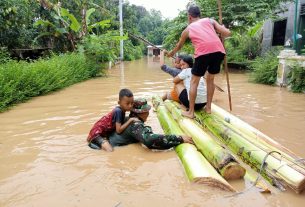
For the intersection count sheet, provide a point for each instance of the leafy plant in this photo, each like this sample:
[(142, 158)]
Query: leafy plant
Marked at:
[(265, 67), (4, 55), (296, 78)]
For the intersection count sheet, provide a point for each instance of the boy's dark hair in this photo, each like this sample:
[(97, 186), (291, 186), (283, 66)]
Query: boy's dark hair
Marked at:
[(188, 59), (194, 11), (125, 92), (180, 57)]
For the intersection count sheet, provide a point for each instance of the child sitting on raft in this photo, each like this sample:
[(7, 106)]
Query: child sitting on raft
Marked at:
[(113, 121), (183, 83)]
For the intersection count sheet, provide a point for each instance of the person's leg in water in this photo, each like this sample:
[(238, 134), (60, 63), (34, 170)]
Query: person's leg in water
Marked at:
[(192, 96), (100, 142), (106, 146), (210, 91)]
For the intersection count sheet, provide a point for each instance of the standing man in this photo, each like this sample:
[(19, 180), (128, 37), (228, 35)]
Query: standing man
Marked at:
[(209, 53)]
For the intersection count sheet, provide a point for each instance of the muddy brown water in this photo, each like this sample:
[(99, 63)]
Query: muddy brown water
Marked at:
[(45, 161)]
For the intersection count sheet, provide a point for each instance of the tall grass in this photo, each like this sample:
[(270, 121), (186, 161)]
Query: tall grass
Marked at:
[(19, 81)]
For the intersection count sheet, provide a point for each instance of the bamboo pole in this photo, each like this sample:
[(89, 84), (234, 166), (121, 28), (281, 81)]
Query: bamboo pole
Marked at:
[(197, 168), (259, 138), (219, 157), (225, 58), (278, 173)]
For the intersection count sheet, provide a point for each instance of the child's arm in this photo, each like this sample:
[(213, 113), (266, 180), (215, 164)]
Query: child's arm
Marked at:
[(180, 77), (172, 71), (177, 79), (161, 58), (119, 128)]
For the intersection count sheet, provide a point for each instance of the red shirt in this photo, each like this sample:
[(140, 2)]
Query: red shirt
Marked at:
[(106, 124)]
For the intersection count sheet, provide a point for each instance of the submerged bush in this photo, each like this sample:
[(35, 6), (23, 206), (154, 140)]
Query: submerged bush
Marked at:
[(296, 78), (20, 81), (265, 68), (132, 52)]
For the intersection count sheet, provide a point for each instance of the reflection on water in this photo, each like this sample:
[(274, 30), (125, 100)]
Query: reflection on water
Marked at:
[(44, 157)]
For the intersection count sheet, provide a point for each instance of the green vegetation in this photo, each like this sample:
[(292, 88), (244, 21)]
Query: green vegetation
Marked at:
[(296, 78), (245, 20), (22, 80), (83, 34), (245, 47), (265, 67)]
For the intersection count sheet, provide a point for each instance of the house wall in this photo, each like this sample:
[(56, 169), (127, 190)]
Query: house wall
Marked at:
[(269, 26)]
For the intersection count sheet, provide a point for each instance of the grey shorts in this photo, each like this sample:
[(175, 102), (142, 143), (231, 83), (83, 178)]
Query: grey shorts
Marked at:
[(96, 142)]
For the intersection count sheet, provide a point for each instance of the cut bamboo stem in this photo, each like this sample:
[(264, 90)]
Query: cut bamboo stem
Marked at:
[(253, 132), (197, 168), (219, 157), (278, 173)]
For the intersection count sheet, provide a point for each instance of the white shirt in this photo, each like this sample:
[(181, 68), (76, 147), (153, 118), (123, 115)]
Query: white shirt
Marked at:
[(186, 76)]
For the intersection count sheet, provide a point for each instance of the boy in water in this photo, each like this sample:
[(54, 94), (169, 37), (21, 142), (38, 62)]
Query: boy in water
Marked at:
[(113, 121)]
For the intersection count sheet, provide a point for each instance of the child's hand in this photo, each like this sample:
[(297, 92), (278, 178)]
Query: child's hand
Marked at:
[(134, 119), (187, 139)]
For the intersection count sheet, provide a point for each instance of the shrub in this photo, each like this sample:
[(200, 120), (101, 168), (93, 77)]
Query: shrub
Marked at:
[(296, 78), (265, 68), (22, 80), (132, 52), (4, 55)]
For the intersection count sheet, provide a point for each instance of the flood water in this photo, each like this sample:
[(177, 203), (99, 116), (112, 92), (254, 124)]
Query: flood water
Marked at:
[(45, 160)]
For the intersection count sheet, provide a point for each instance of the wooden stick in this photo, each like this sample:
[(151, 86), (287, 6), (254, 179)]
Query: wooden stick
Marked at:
[(225, 58), (151, 44)]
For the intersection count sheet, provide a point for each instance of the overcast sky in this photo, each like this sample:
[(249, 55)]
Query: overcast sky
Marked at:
[(168, 8)]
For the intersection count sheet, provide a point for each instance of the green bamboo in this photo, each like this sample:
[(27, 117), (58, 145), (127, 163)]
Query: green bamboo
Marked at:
[(197, 168), (281, 156), (258, 137), (276, 172), (261, 185), (218, 156)]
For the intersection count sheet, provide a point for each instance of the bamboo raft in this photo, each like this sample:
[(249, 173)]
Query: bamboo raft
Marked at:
[(229, 137)]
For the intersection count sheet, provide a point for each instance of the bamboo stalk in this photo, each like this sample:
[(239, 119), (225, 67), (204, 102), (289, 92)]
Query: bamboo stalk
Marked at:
[(219, 157), (197, 168), (259, 139), (252, 178), (276, 172), (225, 63), (253, 132)]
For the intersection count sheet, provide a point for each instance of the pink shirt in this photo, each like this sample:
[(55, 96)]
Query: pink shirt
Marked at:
[(204, 38)]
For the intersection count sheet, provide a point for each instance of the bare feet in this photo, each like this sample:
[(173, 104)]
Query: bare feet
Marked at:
[(188, 114), (208, 110), (107, 146)]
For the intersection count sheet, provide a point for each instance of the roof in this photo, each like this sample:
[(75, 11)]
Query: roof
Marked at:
[(158, 46)]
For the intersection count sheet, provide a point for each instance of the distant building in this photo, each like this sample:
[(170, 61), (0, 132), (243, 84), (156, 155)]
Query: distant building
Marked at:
[(276, 33), (152, 51)]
